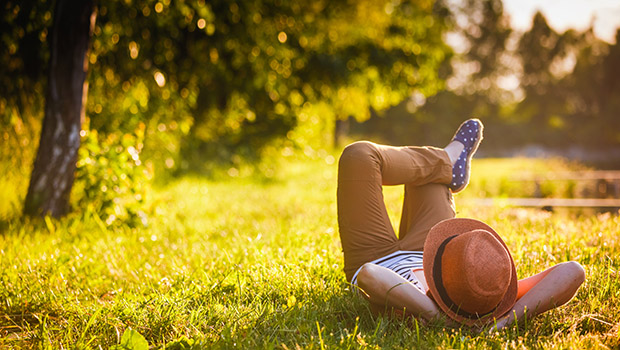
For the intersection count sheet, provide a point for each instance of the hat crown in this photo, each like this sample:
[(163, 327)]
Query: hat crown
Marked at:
[(476, 270), (479, 266)]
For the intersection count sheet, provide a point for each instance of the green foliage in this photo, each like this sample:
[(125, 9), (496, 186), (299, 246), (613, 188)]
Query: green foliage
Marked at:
[(234, 75), (111, 180), (244, 263), (569, 107), (23, 33), (185, 344), (564, 91), (132, 340), (23, 36), (485, 30)]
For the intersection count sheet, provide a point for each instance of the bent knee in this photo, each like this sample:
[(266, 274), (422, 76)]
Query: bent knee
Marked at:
[(359, 159), (576, 271), (359, 150), (367, 274), (573, 271)]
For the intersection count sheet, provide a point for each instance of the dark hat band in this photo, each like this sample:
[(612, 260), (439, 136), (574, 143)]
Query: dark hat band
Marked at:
[(441, 290)]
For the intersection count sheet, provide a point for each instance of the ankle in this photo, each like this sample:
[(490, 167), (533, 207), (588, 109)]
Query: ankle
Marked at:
[(454, 149)]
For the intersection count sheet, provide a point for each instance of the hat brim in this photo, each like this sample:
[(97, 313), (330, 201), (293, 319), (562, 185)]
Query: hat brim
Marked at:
[(454, 227)]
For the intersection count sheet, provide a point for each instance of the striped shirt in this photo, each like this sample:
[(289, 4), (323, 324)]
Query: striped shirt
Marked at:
[(403, 263)]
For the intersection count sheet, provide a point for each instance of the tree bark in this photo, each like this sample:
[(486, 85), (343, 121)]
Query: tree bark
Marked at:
[(54, 167)]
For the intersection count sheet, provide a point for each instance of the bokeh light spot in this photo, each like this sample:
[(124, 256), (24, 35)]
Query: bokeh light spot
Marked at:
[(282, 37), (201, 24), (159, 79)]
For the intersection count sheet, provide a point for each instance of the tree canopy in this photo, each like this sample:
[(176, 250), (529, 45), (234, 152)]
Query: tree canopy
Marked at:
[(191, 80)]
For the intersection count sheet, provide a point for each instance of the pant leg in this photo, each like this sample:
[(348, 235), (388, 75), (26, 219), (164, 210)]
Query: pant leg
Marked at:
[(423, 207), (365, 229)]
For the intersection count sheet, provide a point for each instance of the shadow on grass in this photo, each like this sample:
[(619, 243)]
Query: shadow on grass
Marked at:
[(343, 320)]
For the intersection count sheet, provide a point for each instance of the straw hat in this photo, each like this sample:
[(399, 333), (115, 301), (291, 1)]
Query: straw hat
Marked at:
[(469, 270)]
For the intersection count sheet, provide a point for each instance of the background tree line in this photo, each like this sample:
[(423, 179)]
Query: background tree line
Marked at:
[(182, 85), (558, 91)]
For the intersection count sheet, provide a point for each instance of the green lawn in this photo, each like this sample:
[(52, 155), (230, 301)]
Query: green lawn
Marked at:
[(255, 263)]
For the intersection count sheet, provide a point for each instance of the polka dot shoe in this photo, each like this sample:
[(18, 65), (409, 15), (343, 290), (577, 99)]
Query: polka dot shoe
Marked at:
[(470, 135)]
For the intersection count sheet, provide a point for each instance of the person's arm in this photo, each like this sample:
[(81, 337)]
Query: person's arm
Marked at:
[(544, 291), (385, 289)]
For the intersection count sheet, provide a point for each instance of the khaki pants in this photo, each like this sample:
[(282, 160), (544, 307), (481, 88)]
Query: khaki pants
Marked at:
[(365, 229)]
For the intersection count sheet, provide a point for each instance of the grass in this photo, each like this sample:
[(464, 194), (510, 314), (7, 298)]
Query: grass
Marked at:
[(255, 263)]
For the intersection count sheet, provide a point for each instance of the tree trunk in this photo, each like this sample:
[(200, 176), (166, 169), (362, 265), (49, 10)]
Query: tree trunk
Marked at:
[(54, 167)]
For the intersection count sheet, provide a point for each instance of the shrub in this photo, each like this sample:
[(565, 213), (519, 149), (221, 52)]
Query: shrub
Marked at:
[(111, 180)]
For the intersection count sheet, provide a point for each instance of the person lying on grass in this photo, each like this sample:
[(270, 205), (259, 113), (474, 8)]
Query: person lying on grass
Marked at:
[(439, 264)]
